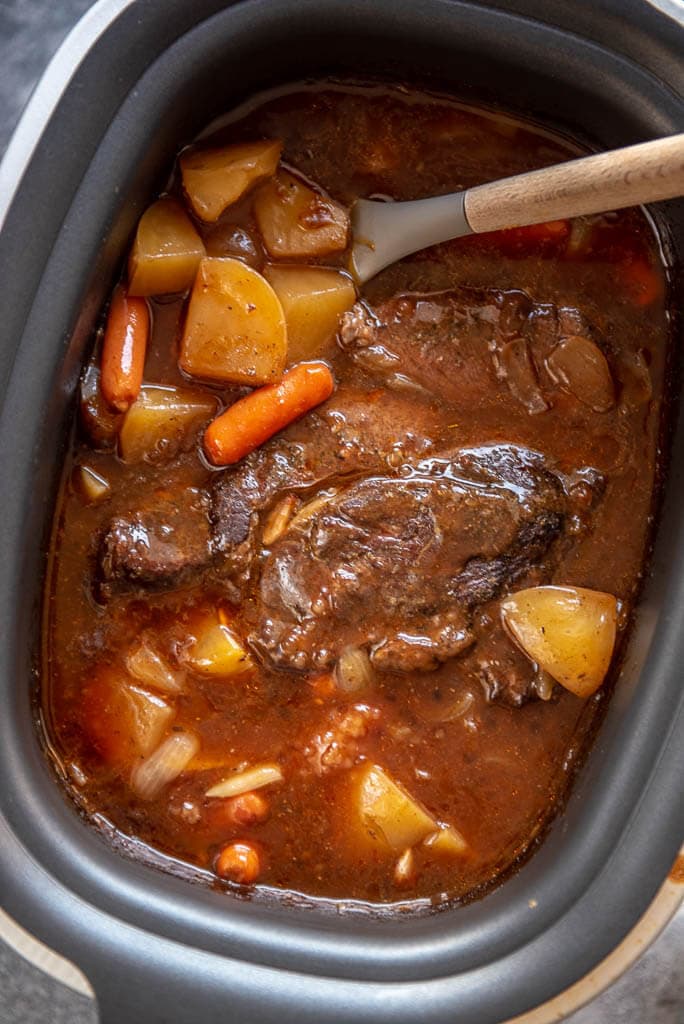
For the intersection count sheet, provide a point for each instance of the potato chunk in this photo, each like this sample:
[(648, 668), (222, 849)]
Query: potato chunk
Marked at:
[(163, 419), (93, 487), (215, 178), (568, 631), (312, 299), (122, 720), (235, 328), (150, 716), (447, 840), (390, 815), (216, 651), (166, 252), (295, 221), (165, 764)]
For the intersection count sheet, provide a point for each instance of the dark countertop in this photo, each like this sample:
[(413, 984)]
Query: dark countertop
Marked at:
[(651, 992)]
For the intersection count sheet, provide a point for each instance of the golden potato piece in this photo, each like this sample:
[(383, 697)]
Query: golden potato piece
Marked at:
[(122, 721), (235, 328), (162, 419), (295, 221), (93, 487), (216, 651), (312, 299), (447, 840), (166, 251), (389, 815), (215, 178), (149, 715), (568, 631)]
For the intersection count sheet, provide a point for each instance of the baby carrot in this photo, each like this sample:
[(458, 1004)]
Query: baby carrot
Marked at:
[(532, 235), (123, 350), (549, 230), (255, 418), (642, 282)]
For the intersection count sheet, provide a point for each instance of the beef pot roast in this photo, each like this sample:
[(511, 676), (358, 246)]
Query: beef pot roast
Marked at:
[(443, 536), (469, 346), (356, 432)]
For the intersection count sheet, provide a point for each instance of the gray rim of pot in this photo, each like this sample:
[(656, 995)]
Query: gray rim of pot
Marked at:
[(153, 946)]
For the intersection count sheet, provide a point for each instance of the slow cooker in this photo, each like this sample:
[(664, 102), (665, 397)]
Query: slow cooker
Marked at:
[(134, 81)]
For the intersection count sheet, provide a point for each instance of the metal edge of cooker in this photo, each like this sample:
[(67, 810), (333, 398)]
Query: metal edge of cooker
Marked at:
[(133, 82)]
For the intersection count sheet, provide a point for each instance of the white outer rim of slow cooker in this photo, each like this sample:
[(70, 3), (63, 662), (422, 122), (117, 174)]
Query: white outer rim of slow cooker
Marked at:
[(48, 93)]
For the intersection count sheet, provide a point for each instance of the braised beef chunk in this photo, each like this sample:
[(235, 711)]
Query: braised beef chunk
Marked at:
[(444, 535), (168, 539), (471, 345), (462, 346), (482, 579), (163, 543), (507, 676), (355, 432)]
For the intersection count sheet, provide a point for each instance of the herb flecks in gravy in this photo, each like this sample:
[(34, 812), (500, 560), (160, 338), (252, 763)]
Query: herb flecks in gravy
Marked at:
[(314, 669)]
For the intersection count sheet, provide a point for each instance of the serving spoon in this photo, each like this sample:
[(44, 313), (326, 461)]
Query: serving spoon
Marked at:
[(385, 231)]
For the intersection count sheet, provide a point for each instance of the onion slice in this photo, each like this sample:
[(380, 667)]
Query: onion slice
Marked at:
[(147, 667), (256, 777), (354, 671), (279, 520), (164, 765)]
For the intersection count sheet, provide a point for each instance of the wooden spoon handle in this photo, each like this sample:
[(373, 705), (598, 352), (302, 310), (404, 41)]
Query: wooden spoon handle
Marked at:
[(624, 177)]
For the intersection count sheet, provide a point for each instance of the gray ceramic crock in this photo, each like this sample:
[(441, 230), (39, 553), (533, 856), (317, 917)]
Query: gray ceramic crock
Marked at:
[(136, 81)]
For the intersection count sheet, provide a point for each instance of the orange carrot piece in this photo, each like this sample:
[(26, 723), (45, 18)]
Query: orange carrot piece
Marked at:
[(532, 234), (323, 687), (255, 418), (550, 229), (644, 284), (123, 350)]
